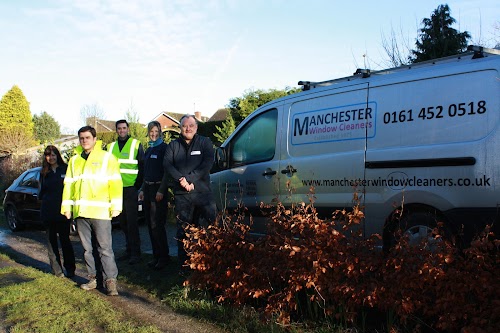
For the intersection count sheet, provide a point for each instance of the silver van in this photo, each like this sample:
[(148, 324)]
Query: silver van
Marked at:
[(422, 138)]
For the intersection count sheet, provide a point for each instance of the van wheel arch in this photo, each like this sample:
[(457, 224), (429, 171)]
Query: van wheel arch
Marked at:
[(414, 220)]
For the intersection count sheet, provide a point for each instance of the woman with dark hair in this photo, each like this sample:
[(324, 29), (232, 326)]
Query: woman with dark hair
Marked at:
[(52, 179), (154, 193)]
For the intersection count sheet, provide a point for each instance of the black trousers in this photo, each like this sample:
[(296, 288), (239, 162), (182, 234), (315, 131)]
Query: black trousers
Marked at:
[(128, 222), (58, 231), (155, 213), (190, 209)]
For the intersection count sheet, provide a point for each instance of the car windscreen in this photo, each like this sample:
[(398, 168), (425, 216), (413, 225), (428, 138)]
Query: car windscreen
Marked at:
[(30, 179)]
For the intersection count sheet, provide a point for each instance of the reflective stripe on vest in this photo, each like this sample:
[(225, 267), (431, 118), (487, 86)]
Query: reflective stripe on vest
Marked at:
[(129, 167), (95, 189)]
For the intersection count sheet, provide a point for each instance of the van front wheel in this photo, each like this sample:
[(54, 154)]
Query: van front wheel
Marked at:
[(419, 227)]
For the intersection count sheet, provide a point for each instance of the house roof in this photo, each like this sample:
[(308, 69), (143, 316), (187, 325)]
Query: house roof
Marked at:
[(220, 115), (178, 116), (175, 117), (101, 125)]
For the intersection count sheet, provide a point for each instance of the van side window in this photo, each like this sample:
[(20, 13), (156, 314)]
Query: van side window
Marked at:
[(256, 142)]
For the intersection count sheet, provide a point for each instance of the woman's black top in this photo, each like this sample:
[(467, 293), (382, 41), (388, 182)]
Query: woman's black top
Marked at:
[(51, 194)]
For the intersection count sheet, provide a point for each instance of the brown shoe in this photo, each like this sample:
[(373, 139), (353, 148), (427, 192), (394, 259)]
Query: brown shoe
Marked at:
[(111, 287), (92, 284)]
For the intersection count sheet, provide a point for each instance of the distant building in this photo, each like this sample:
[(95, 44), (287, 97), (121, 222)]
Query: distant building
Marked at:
[(220, 115), (101, 125), (170, 120)]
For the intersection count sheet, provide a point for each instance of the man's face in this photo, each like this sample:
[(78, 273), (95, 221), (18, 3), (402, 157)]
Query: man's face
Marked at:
[(87, 141), (188, 128), (122, 130)]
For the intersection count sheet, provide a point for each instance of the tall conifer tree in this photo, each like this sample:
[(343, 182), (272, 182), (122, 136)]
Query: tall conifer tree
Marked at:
[(437, 38), (16, 122)]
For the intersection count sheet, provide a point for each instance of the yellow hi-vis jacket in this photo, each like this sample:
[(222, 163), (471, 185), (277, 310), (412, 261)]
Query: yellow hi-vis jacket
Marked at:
[(93, 187), (127, 157)]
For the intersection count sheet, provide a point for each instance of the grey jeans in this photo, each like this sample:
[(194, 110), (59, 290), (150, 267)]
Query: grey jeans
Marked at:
[(101, 230)]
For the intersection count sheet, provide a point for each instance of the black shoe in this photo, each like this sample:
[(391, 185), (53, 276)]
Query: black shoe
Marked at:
[(134, 260), (162, 263), (123, 257), (185, 272), (70, 274), (152, 263)]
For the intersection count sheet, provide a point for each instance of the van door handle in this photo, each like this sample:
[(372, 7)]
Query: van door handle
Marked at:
[(269, 172), (289, 169)]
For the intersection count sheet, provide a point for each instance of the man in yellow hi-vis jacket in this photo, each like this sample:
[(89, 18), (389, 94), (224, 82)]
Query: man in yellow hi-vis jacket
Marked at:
[(93, 193)]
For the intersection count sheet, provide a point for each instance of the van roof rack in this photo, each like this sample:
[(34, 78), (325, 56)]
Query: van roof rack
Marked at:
[(474, 50), (479, 51)]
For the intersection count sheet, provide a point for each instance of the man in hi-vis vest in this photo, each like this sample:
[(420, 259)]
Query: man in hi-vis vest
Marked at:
[(92, 195), (130, 155)]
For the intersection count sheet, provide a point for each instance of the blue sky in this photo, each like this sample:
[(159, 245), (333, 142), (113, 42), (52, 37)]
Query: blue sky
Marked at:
[(185, 55)]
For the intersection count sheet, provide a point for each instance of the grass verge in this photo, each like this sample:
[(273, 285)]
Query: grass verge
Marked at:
[(32, 301)]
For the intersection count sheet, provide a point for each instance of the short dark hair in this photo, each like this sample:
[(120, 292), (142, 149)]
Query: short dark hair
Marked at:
[(88, 128), (186, 116), (121, 121)]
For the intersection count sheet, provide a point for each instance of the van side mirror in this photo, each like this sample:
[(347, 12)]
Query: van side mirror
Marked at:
[(221, 158)]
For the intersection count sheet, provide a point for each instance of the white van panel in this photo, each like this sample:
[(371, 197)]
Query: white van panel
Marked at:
[(425, 134), (325, 139), (434, 120), (336, 122), (431, 111)]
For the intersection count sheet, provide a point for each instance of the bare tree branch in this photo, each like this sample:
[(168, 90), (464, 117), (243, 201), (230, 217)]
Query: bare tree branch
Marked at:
[(89, 112), (397, 48)]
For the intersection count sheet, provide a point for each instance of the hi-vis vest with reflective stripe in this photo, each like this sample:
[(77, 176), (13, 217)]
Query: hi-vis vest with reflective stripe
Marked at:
[(129, 167), (93, 187)]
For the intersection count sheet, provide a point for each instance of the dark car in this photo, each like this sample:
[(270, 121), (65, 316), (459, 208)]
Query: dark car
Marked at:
[(21, 204)]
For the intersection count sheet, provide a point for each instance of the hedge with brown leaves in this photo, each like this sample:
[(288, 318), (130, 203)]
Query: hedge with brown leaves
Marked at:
[(308, 266)]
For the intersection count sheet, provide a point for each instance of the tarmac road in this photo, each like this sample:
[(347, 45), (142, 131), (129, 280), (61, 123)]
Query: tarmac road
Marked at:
[(27, 243)]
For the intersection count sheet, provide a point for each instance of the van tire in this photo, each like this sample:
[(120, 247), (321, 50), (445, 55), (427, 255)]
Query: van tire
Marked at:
[(418, 224)]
